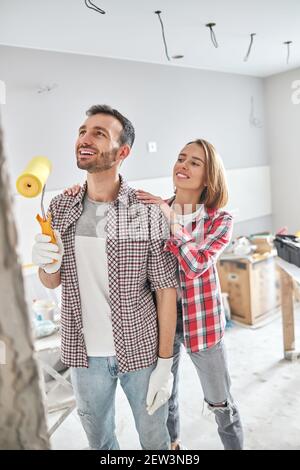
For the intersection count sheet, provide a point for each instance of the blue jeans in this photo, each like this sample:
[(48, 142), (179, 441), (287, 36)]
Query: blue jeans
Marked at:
[(212, 370), (95, 389)]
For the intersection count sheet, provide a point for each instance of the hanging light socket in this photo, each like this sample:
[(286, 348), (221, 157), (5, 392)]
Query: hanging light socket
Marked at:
[(212, 34), (288, 43)]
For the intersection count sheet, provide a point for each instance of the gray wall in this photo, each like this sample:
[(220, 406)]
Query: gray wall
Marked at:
[(283, 133), (170, 105), (248, 227)]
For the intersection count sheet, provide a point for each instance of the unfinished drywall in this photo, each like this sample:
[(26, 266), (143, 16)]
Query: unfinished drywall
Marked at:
[(22, 415)]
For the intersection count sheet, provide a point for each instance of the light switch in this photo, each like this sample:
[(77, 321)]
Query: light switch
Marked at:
[(152, 147)]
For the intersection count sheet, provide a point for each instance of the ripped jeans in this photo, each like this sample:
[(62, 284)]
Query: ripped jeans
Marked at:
[(211, 367)]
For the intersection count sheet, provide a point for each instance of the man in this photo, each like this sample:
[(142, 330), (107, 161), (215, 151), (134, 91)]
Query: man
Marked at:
[(108, 259)]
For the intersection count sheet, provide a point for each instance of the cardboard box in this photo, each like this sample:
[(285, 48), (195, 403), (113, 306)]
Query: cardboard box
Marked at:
[(253, 286), (263, 244)]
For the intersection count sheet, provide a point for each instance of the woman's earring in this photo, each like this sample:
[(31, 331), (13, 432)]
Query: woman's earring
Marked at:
[(174, 189)]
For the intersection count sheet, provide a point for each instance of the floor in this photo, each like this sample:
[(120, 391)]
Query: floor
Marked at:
[(265, 386)]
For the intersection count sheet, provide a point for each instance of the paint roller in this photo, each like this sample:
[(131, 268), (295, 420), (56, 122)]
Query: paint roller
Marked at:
[(31, 183)]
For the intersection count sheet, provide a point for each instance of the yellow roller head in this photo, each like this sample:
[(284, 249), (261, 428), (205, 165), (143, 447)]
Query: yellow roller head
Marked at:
[(31, 182)]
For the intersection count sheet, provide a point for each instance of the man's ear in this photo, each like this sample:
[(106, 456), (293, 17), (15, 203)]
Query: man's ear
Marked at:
[(124, 152)]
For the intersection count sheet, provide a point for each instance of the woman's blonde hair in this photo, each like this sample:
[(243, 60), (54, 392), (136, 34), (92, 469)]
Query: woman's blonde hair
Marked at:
[(215, 194)]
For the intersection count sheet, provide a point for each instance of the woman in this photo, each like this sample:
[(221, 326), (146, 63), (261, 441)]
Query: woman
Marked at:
[(199, 231)]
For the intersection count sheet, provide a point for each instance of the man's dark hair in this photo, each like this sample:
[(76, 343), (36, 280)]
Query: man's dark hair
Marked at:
[(127, 135)]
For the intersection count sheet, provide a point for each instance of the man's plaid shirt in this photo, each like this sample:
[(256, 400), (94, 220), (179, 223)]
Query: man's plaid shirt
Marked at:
[(197, 253), (137, 266)]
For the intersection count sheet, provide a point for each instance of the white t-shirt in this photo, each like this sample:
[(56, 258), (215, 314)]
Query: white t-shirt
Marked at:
[(187, 221), (92, 271)]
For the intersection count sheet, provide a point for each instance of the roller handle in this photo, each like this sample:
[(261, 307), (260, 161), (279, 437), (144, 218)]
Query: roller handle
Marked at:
[(46, 227)]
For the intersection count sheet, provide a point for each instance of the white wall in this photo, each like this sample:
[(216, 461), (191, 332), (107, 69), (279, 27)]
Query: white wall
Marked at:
[(168, 105), (283, 133)]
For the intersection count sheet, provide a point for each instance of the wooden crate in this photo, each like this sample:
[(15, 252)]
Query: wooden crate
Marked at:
[(253, 287)]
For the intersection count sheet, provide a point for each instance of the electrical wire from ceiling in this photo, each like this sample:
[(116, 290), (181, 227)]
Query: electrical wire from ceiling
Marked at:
[(250, 47), (212, 34), (89, 4), (94, 7), (158, 12), (288, 43)]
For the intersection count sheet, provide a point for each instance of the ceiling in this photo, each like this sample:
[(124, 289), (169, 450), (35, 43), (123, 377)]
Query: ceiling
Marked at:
[(131, 30)]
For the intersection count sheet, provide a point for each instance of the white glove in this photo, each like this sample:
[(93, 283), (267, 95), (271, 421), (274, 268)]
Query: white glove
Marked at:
[(160, 385), (48, 256)]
